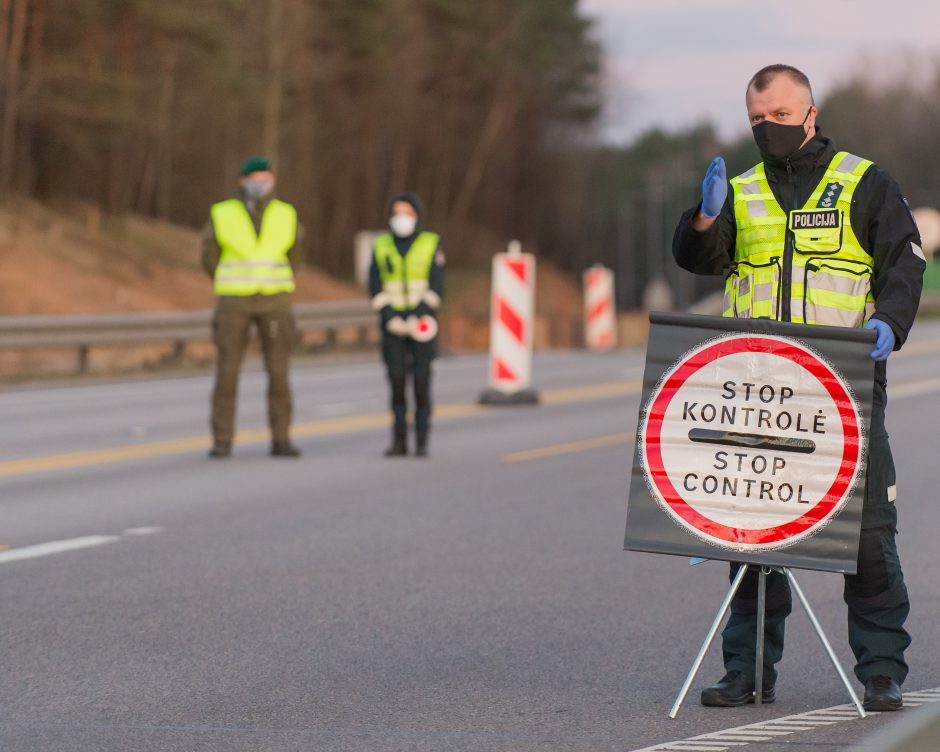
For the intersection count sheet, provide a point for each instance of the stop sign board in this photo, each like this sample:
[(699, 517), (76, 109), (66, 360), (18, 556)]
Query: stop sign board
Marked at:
[(752, 441)]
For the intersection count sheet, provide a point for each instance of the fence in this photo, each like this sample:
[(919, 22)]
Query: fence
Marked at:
[(179, 327)]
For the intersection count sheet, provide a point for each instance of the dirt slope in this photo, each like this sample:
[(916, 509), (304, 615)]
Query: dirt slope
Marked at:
[(55, 262)]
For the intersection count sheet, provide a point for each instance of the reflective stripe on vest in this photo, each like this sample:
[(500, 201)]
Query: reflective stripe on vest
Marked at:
[(405, 280), (253, 263), (830, 271)]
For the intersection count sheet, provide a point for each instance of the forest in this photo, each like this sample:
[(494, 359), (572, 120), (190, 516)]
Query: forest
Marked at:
[(150, 106), (488, 109)]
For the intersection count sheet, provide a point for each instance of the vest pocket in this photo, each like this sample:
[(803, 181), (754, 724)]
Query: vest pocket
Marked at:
[(820, 239), (835, 291), (752, 291)]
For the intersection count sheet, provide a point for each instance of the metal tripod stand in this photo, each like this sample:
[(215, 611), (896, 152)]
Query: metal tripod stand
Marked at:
[(761, 615)]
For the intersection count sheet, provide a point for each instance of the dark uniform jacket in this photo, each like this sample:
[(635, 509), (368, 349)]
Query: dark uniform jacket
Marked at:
[(436, 278), (880, 217)]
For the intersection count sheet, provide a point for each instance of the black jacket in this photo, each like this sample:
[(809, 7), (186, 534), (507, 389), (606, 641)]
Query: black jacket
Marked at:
[(880, 217)]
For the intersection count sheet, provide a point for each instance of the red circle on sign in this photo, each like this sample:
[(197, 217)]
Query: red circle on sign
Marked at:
[(781, 348)]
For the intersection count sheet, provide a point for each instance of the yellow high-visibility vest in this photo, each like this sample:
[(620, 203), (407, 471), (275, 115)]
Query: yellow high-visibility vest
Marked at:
[(405, 280), (254, 263), (829, 271)]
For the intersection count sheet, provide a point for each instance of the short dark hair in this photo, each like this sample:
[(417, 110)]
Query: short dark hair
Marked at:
[(761, 80)]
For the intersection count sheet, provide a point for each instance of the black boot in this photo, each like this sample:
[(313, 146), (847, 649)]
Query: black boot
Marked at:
[(882, 693), (736, 688), (399, 445), (220, 450), (421, 447), (284, 449)]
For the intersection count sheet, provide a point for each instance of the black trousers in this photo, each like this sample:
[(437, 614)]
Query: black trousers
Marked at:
[(876, 596), (402, 356)]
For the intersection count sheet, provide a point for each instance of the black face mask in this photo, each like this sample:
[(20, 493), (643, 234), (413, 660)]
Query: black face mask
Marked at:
[(778, 141)]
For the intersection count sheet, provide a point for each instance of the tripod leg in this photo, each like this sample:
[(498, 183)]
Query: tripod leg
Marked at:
[(825, 642), (761, 620), (713, 630)]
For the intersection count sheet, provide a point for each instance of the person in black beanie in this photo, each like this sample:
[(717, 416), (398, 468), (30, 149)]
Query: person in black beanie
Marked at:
[(406, 282)]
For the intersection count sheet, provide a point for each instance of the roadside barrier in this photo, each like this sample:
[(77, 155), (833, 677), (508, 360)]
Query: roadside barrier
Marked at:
[(600, 318), (114, 329), (512, 314)]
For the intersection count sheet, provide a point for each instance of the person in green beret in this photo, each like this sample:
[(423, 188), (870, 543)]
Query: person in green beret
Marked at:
[(252, 246)]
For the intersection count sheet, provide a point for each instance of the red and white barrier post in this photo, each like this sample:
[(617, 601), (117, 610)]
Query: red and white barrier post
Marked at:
[(512, 324), (600, 320)]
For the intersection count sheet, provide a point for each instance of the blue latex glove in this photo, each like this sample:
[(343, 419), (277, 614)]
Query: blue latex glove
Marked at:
[(884, 344), (714, 188)]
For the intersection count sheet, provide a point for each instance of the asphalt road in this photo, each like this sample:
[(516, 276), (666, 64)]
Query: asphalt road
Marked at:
[(153, 599)]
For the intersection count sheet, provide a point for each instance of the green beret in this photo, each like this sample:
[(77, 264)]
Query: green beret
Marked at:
[(255, 164)]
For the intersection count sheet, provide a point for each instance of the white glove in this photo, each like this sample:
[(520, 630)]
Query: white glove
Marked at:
[(422, 328), (398, 326)]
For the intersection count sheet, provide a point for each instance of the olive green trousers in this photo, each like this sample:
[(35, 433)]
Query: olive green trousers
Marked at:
[(231, 330)]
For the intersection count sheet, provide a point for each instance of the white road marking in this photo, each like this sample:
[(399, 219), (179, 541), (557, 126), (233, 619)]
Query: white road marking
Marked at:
[(836, 717), (70, 544), (730, 741), (55, 547), (769, 731), (815, 721), (741, 736), (708, 745), (746, 738), (784, 727), (913, 389)]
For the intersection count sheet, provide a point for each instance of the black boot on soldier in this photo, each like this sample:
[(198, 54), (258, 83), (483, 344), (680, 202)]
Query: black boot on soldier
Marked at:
[(399, 445), (220, 450), (736, 688), (284, 449)]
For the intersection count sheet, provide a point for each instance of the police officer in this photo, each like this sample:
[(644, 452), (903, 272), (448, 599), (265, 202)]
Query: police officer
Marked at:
[(818, 236), (252, 245), (406, 281)]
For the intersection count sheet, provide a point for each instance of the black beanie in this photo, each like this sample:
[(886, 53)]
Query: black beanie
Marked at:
[(409, 198)]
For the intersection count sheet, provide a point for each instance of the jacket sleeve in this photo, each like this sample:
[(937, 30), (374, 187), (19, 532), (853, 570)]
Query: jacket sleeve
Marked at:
[(377, 293), (435, 295), (709, 251), (210, 249), (297, 252), (883, 223)]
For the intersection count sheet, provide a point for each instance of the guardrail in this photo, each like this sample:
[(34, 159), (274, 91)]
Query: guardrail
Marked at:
[(84, 331)]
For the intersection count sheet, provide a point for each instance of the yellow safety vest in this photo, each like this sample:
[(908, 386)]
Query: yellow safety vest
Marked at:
[(814, 248), (254, 263), (405, 280)]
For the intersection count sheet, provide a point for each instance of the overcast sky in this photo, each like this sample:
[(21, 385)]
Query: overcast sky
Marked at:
[(674, 63)]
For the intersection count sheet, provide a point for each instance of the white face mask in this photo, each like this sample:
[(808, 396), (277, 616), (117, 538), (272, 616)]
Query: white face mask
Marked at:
[(258, 189), (403, 225)]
